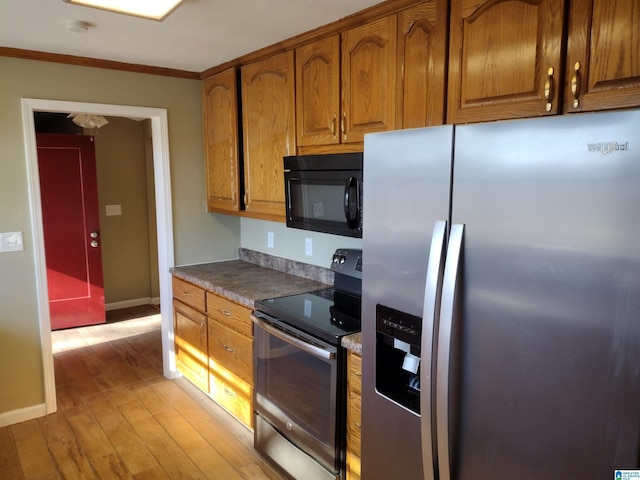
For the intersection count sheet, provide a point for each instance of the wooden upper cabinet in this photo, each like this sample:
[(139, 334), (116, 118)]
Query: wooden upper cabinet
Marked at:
[(603, 55), (422, 34), (504, 59), (219, 96), (318, 92), (268, 119), (369, 78)]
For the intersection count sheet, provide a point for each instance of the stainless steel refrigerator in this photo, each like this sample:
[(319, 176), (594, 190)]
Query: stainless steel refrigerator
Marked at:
[(501, 300)]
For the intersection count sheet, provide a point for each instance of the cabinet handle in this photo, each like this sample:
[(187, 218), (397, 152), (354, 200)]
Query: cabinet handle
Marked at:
[(575, 84), (333, 125), (548, 89), (357, 374), (186, 294), (229, 392), (358, 426), (343, 122), (227, 348), (226, 312)]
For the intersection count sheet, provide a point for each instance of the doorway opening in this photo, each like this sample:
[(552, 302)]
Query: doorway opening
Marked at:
[(164, 222)]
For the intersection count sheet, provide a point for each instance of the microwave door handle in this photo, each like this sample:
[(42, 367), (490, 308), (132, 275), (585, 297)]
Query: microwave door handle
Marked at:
[(352, 222)]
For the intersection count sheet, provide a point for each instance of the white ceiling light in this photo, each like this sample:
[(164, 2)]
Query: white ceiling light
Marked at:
[(153, 9), (88, 120)]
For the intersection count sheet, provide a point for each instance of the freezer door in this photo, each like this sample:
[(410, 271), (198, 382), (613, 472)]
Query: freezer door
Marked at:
[(407, 175), (545, 347)]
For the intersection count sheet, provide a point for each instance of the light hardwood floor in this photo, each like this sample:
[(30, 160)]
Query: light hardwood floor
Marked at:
[(119, 418)]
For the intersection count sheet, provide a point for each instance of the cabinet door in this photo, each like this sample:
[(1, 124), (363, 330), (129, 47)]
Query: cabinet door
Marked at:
[(219, 96), (504, 59), (190, 332), (268, 116), (603, 55), (369, 78), (318, 92), (422, 33), (354, 415)]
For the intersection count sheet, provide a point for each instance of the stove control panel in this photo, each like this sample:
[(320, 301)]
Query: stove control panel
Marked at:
[(347, 261)]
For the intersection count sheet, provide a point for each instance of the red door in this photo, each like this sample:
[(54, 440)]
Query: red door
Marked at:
[(70, 218)]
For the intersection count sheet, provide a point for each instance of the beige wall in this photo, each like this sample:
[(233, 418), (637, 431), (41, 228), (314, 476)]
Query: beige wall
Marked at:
[(122, 180), (198, 236)]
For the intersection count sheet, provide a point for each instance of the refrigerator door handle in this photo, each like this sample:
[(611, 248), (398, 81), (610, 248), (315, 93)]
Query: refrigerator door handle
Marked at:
[(452, 271), (433, 287)]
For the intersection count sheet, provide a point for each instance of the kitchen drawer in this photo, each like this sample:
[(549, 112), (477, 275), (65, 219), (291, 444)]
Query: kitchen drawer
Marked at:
[(230, 314), (231, 349), (354, 381), (231, 393), (188, 293)]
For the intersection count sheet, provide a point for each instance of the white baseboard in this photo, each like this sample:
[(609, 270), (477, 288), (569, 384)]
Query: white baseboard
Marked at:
[(135, 302), (22, 415)]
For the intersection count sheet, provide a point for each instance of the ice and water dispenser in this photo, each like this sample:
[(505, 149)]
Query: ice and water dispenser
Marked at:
[(398, 356)]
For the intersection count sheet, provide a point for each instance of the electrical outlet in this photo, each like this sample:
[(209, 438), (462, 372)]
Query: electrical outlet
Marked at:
[(270, 239), (308, 247)]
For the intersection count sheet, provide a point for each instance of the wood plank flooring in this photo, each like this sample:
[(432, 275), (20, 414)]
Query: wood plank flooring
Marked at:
[(119, 418)]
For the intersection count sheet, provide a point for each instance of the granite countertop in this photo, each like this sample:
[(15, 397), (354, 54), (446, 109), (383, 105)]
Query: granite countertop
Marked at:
[(353, 342), (244, 282), (255, 276)]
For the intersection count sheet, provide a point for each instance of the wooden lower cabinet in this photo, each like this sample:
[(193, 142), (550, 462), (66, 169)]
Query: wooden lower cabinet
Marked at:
[(230, 357), (354, 416), (214, 347)]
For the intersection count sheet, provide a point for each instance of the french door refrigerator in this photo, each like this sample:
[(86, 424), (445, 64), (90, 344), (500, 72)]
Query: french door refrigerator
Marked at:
[(501, 300)]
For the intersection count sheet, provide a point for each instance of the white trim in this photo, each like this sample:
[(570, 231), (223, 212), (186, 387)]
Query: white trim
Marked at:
[(162, 175), (22, 415)]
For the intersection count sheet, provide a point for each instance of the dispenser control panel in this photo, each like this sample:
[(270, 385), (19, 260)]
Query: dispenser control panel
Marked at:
[(400, 325)]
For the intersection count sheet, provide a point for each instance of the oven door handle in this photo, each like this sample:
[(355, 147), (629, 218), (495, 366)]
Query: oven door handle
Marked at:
[(306, 347)]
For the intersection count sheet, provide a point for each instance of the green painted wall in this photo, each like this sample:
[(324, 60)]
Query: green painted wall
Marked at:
[(198, 235)]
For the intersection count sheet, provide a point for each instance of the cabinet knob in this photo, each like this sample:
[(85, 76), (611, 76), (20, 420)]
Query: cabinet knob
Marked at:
[(548, 89), (575, 85)]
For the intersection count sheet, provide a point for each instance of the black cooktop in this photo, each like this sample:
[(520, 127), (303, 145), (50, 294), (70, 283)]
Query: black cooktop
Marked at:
[(326, 314)]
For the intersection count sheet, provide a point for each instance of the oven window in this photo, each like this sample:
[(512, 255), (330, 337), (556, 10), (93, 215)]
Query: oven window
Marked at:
[(296, 387)]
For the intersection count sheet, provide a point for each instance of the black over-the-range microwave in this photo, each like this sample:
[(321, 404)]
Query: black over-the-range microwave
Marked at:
[(324, 193)]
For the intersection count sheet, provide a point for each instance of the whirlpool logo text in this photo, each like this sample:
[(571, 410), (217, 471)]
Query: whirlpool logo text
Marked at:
[(608, 147)]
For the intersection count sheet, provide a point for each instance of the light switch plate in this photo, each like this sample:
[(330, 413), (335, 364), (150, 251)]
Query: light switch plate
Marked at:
[(11, 242), (113, 210), (308, 247), (270, 239)]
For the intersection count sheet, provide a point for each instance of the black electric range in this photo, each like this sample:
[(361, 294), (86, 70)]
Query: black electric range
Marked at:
[(327, 314)]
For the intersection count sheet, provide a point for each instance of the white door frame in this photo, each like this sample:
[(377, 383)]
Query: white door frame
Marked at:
[(164, 220)]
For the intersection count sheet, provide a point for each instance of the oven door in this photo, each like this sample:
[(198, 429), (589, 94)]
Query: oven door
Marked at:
[(296, 379)]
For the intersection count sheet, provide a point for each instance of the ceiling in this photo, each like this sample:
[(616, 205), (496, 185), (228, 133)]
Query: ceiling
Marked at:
[(198, 35)]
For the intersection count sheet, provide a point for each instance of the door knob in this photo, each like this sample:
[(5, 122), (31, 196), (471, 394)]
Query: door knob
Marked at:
[(94, 234), (94, 243)]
